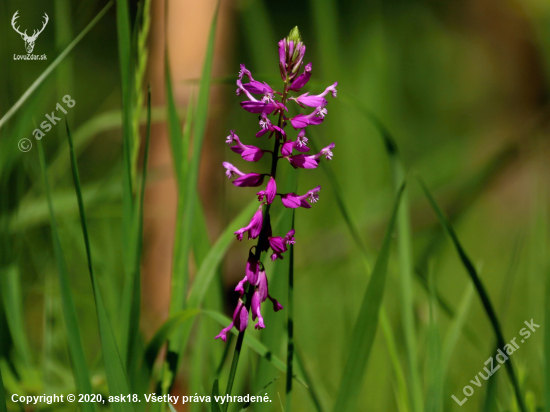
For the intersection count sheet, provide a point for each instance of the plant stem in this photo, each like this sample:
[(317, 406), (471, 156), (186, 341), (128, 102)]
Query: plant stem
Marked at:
[(262, 240), (290, 323)]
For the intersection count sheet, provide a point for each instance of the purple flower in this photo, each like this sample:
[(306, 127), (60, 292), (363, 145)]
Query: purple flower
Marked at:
[(240, 321), (292, 200), (315, 100), (302, 79), (291, 55), (252, 268), (267, 105), (299, 144), (245, 180), (278, 244), (311, 161), (244, 71), (314, 118), (247, 152), (269, 192), (254, 227), (267, 126)]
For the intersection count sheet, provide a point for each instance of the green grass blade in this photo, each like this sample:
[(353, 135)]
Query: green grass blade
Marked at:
[(3, 407), (352, 227), (259, 33), (52, 66), (547, 344), (10, 288), (215, 407), (254, 344), (133, 356), (163, 334), (247, 404), (74, 340), (114, 369), (325, 17), (128, 207), (483, 295), (179, 150), (308, 380), (367, 321), (406, 272), (180, 280)]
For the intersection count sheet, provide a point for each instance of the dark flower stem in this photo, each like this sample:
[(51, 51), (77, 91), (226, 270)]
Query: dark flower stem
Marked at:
[(262, 240), (290, 323)]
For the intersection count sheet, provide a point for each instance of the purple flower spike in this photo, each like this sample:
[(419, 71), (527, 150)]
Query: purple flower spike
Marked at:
[(314, 118), (244, 180), (269, 192), (247, 152), (252, 269), (254, 227), (302, 79), (240, 321), (293, 201), (261, 99)]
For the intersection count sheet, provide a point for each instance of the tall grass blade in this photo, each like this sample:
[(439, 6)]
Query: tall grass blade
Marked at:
[(485, 300), (163, 334), (10, 288), (3, 407), (74, 340), (308, 380), (352, 227), (53, 65), (180, 280), (114, 368), (367, 321), (406, 270), (133, 356), (247, 404), (215, 392)]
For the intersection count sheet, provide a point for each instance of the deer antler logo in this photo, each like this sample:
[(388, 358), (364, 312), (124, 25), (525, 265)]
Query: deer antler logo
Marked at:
[(29, 40)]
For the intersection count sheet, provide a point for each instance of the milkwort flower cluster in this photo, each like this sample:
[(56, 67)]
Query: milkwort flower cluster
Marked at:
[(262, 99)]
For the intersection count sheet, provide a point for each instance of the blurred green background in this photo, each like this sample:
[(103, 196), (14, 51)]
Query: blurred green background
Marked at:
[(461, 87)]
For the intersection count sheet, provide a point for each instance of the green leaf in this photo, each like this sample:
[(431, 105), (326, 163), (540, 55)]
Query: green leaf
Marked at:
[(215, 407), (114, 369), (128, 209), (247, 404), (3, 407), (74, 340), (483, 295), (10, 289), (367, 321), (163, 334), (53, 65)]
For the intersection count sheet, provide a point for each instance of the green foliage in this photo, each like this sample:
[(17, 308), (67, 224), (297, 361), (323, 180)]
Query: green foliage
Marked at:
[(401, 66)]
